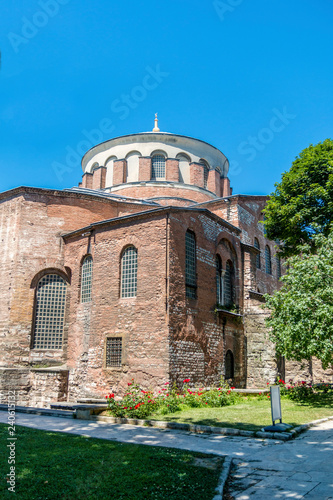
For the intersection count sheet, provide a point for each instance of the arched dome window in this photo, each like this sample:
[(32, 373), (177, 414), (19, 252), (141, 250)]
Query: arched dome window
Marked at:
[(132, 159), (184, 171), (206, 171), (158, 167)]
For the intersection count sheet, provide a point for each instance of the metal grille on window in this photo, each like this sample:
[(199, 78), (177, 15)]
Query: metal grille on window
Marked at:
[(228, 284), (256, 244), (113, 351), (158, 167), (86, 279), (278, 266), (268, 263), (49, 312), (129, 270), (219, 281), (206, 172), (190, 265)]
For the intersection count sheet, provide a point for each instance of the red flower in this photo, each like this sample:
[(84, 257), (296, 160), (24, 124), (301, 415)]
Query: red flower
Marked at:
[(229, 392), (186, 380), (106, 397), (166, 383), (129, 383), (232, 387), (259, 393), (267, 383)]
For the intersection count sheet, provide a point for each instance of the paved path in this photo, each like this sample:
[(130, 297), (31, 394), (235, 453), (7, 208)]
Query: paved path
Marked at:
[(264, 469)]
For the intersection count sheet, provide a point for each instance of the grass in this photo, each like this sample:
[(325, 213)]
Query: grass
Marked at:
[(252, 413), (53, 465)]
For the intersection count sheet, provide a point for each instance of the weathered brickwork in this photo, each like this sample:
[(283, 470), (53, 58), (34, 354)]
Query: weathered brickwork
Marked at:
[(166, 335)]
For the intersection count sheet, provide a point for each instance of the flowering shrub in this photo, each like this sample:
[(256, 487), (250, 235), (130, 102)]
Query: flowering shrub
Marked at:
[(299, 391), (135, 403), (140, 404)]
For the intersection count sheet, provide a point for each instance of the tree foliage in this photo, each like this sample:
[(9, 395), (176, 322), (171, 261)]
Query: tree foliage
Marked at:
[(302, 204), (301, 318)]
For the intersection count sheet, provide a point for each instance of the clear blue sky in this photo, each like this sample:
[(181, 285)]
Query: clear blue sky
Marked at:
[(254, 78)]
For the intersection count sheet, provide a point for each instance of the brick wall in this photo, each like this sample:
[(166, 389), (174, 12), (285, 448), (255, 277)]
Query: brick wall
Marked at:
[(140, 321)]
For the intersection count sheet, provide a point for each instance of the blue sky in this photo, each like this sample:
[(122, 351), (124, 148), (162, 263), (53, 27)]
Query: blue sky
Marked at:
[(253, 78)]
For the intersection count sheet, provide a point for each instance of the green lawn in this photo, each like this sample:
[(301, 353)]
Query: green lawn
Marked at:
[(62, 466), (253, 414)]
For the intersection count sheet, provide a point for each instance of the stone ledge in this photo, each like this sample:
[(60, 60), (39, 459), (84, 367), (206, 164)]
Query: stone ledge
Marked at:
[(206, 429)]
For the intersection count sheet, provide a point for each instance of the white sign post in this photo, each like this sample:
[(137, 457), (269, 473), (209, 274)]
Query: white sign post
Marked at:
[(276, 411), (276, 404)]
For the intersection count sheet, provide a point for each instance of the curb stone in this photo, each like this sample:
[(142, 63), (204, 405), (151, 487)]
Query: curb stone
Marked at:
[(223, 478), (206, 429)]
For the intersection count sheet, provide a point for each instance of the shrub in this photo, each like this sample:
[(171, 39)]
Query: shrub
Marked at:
[(140, 404)]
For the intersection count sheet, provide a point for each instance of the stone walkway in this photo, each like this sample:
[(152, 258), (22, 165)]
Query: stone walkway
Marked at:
[(264, 469)]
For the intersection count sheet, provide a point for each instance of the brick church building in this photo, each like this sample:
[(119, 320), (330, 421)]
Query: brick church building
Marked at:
[(150, 269)]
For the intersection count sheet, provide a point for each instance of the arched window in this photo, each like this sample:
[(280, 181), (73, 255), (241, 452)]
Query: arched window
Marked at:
[(190, 265), (256, 244), (206, 172), (184, 171), (129, 271), (86, 279), (278, 266), (50, 302), (229, 365), (219, 280), (228, 284), (158, 167), (268, 263)]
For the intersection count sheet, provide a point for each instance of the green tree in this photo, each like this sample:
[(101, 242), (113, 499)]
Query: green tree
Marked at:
[(302, 204), (301, 318)]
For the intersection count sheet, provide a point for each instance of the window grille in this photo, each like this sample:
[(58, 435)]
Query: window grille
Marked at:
[(278, 266), (158, 167), (228, 292), (206, 172), (86, 279), (219, 280), (49, 312), (129, 271), (229, 365), (256, 244), (113, 351), (268, 263), (190, 265)]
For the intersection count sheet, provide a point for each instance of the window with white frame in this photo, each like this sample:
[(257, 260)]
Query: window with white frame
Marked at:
[(158, 167), (50, 303), (190, 265), (129, 271), (86, 278)]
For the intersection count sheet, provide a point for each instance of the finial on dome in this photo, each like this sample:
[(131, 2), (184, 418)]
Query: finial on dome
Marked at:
[(156, 129)]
